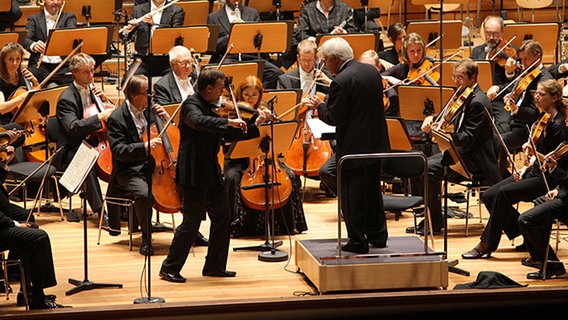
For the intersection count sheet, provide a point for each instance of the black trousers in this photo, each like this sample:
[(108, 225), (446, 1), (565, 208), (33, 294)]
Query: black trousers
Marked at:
[(197, 202), (136, 188), (328, 173)]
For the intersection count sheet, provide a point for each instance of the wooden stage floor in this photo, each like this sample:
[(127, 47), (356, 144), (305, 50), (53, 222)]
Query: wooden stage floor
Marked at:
[(256, 281)]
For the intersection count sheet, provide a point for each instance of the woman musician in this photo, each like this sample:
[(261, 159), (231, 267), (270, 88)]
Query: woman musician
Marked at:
[(247, 221), (527, 183)]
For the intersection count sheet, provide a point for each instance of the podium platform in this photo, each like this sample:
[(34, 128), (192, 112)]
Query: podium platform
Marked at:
[(401, 265)]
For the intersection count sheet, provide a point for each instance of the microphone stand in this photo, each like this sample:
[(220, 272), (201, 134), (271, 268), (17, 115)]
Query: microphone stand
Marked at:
[(147, 112), (365, 3), (86, 12), (278, 5), (118, 14)]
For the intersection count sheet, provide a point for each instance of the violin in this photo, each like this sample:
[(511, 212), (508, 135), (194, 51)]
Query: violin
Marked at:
[(522, 85), (256, 198), (503, 51), (99, 139), (423, 74), (536, 132), (227, 109), (5, 140), (453, 106), (167, 198), (386, 101), (559, 152)]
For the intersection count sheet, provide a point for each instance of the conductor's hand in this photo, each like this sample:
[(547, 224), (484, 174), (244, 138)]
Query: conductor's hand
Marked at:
[(154, 143), (161, 112), (39, 47), (238, 123)]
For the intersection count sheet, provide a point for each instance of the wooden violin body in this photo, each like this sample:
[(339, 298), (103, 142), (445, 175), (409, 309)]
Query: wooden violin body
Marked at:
[(422, 74), (536, 132), (256, 198), (502, 52), (523, 84)]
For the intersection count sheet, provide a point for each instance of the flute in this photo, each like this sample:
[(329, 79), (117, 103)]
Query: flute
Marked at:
[(127, 28)]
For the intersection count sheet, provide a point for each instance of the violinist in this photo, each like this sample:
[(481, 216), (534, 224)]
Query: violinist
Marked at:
[(125, 127), (38, 27), (73, 128), (244, 220), (11, 78), (176, 85), (392, 56), (493, 31), (372, 58), (472, 136), (559, 71), (512, 124), (199, 176), (527, 183)]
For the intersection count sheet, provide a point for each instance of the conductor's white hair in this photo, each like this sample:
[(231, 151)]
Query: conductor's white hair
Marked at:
[(336, 47), (177, 51)]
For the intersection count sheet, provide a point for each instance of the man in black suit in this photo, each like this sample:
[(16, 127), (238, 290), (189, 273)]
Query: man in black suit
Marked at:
[(176, 85), (172, 16), (125, 127), (473, 137), (199, 176), (28, 243), (8, 18), (74, 127), (224, 17), (302, 77), (37, 27), (355, 106)]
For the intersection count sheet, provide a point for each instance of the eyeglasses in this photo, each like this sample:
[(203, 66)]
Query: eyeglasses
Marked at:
[(458, 77), (184, 62), (492, 34)]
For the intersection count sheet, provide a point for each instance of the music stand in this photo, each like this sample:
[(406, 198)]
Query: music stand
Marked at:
[(236, 72), (6, 37), (101, 11), (248, 37), (170, 108), (417, 102), (274, 138), (38, 104), (62, 41), (266, 5), (199, 11), (199, 38), (5, 6), (359, 42), (283, 101), (452, 160), (546, 34), (430, 30)]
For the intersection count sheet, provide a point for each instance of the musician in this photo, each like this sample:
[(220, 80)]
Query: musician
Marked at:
[(559, 71), (171, 16), (473, 137), (396, 33), (355, 107), (513, 129), (38, 26), (11, 78), (125, 128), (371, 57), (323, 17), (199, 176), (527, 183), (8, 18), (493, 31), (290, 217), (28, 243), (176, 85), (73, 127), (224, 17)]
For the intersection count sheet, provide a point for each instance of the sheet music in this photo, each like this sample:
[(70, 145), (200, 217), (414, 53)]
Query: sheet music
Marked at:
[(319, 127), (79, 168)]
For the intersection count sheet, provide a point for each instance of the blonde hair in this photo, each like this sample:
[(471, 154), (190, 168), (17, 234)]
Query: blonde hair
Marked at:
[(412, 38)]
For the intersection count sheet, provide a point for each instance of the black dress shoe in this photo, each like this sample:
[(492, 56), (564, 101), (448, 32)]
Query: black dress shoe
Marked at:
[(146, 249), (378, 244), (476, 254), (225, 273), (20, 301), (552, 273), (420, 230), (352, 246), (47, 304), (172, 276), (201, 240), (529, 262), (328, 192)]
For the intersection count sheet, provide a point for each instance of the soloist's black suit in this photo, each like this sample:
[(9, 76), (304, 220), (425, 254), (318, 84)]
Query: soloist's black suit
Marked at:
[(73, 129), (172, 16), (36, 31), (355, 107), (270, 73), (501, 198), (474, 140), (129, 166), (199, 176)]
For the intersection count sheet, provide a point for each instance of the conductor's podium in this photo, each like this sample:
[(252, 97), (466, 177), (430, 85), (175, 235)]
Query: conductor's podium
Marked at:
[(403, 264)]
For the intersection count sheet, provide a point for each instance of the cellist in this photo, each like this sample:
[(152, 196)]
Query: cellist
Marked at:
[(73, 128)]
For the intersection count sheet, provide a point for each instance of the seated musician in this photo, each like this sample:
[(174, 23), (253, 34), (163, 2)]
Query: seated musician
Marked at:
[(324, 17), (244, 220), (25, 241), (514, 131), (559, 71), (73, 127), (392, 108), (8, 18), (151, 17), (12, 77), (526, 183), (125, 128), (224, 17), (396, 33), (38, 27), (473, 136), (176, 85)]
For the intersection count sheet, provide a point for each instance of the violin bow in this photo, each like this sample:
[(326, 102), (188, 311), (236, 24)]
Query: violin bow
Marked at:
[(167, 124), (503, 48), (54, 27), (524, 73), (135, 67), (60, 65), (231, 46), (292, 109), (531, 141), (501, 141)]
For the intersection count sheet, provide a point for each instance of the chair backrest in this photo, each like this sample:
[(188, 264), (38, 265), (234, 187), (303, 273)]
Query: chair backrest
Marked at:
[(52, 129), (534, 4), (403, 167)]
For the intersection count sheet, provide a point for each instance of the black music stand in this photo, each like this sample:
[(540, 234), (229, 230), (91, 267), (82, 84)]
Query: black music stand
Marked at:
[(249, 37), (274, 138), (452, 160)]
